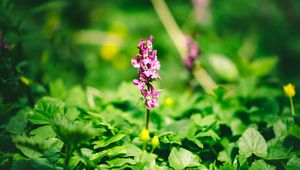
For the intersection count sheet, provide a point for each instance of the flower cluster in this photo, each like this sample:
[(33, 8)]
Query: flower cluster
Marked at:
[(147, 64), (193, 53)]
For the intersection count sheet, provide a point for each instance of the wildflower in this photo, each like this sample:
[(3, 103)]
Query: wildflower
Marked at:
[(168, 101), (147, 64), (193, 53), (144, 136), (289, 90), (155, 141), (108, 51)]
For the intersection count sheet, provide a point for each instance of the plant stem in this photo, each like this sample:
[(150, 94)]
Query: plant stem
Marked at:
[(152, 150), (292, 106), (170, 25), (147, 119), (145, 145), (68, 156), (179, 41)]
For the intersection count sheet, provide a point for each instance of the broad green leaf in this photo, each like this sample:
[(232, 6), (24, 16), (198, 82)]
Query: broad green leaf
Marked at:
[(180, 159), (277, 150), (145, 160), (72, 113), (117, 162), (43, 132), (263, 66), (295, 131), (182, 129), (209, 133), (109, 140), (240, 162), (280, 129), (45, 109), (35, 147), (17, 123), (293, 163), (252, 142), (73, 132), (261, 165), (227, 166), (237, 127), (48, 106), (204, 121), (225, 155)]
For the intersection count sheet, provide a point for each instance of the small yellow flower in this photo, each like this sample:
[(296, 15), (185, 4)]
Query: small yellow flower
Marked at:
[(168, 101), (289, 90), (144, 136), (108, 51), (155, 141)]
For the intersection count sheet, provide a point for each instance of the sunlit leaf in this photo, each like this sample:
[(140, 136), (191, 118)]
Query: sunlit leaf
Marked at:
[(252, 142), (261, 165), (180, 159)]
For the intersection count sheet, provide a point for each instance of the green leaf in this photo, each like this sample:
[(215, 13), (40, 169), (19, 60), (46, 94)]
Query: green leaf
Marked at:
[(17, 123), (43, 132), (181, 158), (73, 132), (277, 150), (72, 113), (204, 121), (280, 129), (34, 147), (145, 160), (112, 139), (209, 133), (227, 166), (295, 131), (197, 142), (293, 163), (261, 165), (263, 66), (117, 162), (45, 109), (252, 142), (182, 129), (77, 97), (57, 89)]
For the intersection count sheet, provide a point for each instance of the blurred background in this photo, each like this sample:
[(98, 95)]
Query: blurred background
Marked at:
[(90, 43)]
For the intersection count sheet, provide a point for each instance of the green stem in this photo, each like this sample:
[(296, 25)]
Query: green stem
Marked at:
[(292, 106), (68, 156), (152, 149), (145, 145), (147, 119), (179, 41)]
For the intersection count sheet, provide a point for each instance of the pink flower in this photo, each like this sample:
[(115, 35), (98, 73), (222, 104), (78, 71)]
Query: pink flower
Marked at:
[(193, 53), (147, 67)]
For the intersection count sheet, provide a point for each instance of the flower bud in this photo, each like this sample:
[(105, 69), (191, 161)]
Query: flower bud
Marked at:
[(144, 136), (155, 141), (289, 90)]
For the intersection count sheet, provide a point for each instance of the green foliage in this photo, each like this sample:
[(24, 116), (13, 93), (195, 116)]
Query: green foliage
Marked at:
[(181, 158), (67, 100), (252, 142), (261, 165)]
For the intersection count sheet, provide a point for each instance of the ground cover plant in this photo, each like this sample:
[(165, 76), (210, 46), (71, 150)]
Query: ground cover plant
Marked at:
[(149, 85)]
